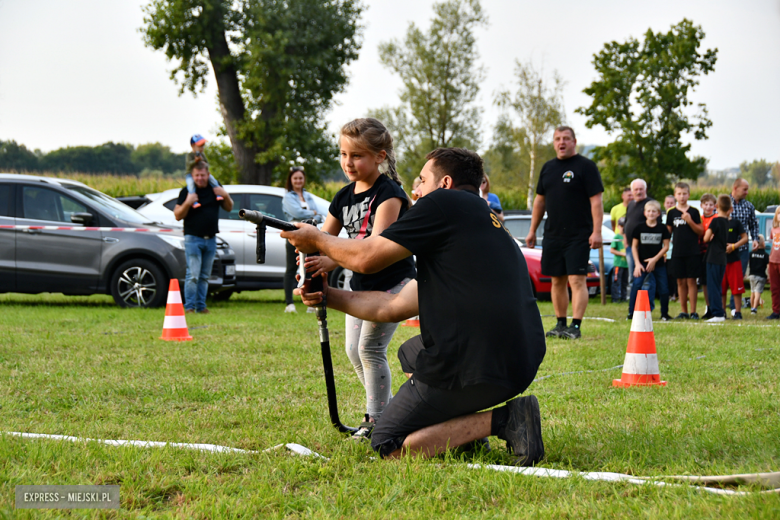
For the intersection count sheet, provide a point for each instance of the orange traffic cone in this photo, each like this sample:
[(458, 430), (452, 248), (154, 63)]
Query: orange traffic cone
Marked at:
[(641, 365), (175, 324), (412, 322)]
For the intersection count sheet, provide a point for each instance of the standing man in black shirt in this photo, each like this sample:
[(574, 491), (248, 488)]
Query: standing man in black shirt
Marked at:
[(570, 190), (201, 225), (635, 215), (474, 352)]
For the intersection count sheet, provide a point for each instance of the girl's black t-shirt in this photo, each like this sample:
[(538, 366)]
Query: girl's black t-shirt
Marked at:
[(478, 316), (685, 241), (357, 212)]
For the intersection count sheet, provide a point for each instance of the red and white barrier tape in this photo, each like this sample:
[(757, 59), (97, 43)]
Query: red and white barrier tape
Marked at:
[(81, 228)]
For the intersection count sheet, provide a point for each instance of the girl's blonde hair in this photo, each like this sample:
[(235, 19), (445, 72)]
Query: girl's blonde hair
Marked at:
[(372, 135), (775, 219)]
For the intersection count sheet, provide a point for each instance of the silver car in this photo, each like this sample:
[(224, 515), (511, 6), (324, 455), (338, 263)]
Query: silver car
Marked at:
[(242, 235), (134, 267)]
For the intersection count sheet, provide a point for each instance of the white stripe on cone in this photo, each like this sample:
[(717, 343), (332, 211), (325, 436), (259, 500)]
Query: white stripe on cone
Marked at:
[(175, 322), (641, 364), (642, 322), (174, 297)]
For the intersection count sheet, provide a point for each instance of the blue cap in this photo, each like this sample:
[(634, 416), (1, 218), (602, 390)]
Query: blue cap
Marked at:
[(197, 139)]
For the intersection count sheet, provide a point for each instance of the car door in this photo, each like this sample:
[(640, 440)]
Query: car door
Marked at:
[(7, 239), (275, 254), (60, 260)]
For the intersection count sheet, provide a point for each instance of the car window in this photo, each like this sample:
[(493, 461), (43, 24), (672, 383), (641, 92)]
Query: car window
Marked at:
[(45, 204), (113, 207), (5, 200), (270, 205), (520, 228), (171, 204)]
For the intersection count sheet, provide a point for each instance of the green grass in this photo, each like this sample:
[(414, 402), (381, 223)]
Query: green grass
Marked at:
[(252, 379)]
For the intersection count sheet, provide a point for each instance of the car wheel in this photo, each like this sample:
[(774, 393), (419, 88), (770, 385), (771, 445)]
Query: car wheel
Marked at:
[(139, 283), (337, 278), (221, 296)]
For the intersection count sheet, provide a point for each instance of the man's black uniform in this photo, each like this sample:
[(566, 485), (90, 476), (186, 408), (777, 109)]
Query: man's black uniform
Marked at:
[(481, 332), (567, 186)]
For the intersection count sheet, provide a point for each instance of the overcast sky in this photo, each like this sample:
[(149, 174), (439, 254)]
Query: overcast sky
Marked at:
[(77, 73)]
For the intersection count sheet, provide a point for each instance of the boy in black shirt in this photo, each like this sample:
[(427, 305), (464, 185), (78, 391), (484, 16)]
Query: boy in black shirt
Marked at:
[(734, 276), (759, 261), (717, 238), (649, 244), (684, 224)]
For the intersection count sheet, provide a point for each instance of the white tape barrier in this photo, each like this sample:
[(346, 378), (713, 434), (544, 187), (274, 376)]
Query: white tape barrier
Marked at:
[(82, 228), (754, 478)]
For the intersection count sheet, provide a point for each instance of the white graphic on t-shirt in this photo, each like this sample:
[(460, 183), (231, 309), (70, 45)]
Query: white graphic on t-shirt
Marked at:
[(354, 217), (679, 221), (650, 238), (568, 176)]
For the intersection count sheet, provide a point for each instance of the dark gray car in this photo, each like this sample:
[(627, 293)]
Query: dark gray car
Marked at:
[(134, 267)]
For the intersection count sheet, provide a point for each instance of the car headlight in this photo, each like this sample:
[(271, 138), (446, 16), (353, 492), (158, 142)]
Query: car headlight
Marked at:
[(177, 242)]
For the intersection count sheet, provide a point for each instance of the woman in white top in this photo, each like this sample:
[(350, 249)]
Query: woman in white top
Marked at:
[(298, 205)]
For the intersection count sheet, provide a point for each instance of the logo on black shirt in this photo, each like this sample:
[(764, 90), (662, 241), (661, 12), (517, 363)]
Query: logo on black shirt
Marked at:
[(568, 176), (650, 238)]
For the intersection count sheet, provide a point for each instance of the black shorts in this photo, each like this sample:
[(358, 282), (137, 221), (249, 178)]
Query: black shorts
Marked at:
[(417, 405), (565, 256), (686, 266)]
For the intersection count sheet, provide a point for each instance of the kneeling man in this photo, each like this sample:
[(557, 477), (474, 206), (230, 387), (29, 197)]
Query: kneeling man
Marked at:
[(482, 339)]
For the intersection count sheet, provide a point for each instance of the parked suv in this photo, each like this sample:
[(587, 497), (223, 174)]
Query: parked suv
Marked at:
[(133, 267)]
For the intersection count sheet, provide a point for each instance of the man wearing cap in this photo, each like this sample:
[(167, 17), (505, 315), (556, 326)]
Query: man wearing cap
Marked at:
[(200, 233)]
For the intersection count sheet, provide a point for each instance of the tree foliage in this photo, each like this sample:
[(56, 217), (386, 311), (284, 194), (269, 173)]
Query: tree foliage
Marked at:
[(758, 172), (538, 103), (17, 157), (115, 158), (441, 81), (277, 64), (642, 95)]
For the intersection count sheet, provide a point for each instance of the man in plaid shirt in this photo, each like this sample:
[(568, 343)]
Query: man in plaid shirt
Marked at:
[(745, 212)]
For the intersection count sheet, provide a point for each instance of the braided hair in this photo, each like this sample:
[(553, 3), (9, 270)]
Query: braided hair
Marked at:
[(372, 134)]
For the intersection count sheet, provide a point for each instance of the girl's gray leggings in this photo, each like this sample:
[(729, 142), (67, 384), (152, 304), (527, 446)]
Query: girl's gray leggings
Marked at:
[(366, 346)]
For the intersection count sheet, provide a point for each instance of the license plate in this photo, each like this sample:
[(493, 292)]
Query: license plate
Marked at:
[(592, 290), (230, 270)]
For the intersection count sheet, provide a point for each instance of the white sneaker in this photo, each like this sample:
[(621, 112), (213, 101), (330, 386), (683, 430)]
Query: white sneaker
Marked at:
[(733, 312), (716, 319), (290, 308), (311, 310)]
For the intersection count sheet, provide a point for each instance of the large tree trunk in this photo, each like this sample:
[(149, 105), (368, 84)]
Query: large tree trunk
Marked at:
[(232, 107)]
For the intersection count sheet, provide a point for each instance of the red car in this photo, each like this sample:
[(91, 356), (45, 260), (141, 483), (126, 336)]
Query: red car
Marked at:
[(543, 284)]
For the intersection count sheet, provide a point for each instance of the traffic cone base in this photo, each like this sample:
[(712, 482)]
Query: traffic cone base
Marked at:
[(640, 367), (175, 324), (412, 322)]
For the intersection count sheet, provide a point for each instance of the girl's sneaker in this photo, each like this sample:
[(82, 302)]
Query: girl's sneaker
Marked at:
[(220, 198), (195, 204), (364, 430)]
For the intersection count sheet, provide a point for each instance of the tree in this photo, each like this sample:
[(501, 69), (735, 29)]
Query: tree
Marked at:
[(105, 158), (277, 63), (17, 157), (157, 157), (539, 105), (758, 173), (643, 96), (441, 80)]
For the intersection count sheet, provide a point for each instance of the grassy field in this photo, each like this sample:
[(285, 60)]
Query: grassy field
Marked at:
[(252, 379)]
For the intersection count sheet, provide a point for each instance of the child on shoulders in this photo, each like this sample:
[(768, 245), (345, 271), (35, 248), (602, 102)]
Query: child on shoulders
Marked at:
[(197, 142)]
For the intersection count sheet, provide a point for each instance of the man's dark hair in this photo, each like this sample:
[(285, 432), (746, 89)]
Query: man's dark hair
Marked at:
[(463, 166), (564, 128), (201, 165)]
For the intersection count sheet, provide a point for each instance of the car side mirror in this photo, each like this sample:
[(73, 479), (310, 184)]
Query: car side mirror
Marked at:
[(81, 218)]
